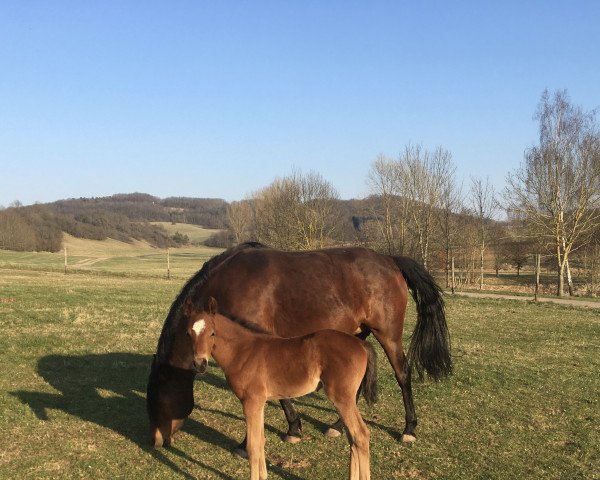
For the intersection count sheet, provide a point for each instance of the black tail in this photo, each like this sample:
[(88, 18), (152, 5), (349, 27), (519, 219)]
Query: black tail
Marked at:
[(429, 348), (369, 381)]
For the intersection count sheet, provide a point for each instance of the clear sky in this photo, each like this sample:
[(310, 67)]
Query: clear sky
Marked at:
[(218, 98)]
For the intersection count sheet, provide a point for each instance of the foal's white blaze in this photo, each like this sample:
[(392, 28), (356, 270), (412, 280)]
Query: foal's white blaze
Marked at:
[(198, 326)]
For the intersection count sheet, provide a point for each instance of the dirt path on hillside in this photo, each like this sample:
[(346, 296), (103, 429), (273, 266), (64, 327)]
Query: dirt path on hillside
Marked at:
[(561, 301), (89, 262)]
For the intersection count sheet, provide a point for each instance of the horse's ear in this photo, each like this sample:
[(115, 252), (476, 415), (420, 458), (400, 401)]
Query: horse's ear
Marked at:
[(211, 305)]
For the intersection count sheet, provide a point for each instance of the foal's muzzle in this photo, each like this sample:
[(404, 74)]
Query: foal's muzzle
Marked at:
[(200, 364)]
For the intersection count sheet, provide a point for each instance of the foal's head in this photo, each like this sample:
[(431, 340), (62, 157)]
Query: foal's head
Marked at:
[(201, 330)]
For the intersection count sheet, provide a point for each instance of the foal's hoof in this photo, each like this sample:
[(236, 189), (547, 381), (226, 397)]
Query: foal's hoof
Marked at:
[(408, 438), (292, 439), (332, 433), (240, 452)]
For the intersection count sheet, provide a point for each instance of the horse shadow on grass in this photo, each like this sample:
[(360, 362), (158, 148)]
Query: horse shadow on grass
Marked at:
[(109, 390)]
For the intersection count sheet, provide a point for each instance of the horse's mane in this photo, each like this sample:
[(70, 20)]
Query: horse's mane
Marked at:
[(247, 324), (176, 312)]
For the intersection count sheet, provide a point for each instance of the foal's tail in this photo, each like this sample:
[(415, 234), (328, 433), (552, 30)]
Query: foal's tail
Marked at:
[(429, 348), (369, 381)]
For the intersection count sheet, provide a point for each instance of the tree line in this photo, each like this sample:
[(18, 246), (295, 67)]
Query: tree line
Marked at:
[(416, 207), (123, 217)]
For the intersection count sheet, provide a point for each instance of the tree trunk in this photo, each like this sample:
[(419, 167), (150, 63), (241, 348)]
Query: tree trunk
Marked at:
[(561, 281), (447, 267), (569, 279), (481, 271)]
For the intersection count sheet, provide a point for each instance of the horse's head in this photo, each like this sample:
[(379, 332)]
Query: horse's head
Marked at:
[(169, 400), (201, 330)]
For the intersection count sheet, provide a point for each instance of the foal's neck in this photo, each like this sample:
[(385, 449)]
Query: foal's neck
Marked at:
[(230, 340)]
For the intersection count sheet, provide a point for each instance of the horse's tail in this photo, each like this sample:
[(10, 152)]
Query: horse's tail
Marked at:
[(429, 348), (369, 381)]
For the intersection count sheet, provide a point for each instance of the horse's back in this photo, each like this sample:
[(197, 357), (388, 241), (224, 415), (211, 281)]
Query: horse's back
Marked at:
[(293, 293)]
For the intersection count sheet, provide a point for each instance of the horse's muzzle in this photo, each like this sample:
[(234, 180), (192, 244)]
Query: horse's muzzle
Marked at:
[(200, 364)]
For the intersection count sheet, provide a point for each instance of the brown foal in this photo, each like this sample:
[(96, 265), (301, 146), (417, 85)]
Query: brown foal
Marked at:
[(260, 367)]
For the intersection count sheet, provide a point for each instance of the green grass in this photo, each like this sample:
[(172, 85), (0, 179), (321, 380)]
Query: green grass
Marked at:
[(114, 258), (195, 233), (75, 353)]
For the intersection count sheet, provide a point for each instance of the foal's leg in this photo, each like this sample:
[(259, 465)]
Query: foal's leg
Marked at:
[(255, 421), (294, 434), (358, 436), (395, 354), (336, 429)]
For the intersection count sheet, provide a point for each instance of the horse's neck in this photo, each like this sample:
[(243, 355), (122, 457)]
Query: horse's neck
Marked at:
[(230, 341)]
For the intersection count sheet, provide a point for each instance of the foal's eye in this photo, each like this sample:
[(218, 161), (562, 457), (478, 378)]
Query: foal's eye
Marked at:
[(212, 334)]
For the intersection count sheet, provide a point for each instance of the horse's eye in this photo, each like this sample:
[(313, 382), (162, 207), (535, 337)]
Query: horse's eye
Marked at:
[(212, 334)]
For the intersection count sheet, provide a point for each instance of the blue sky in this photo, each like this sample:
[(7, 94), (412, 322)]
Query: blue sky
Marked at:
[(216, 99)]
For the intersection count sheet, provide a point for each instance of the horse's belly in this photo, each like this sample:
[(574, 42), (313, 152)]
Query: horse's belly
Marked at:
[(280, 390)]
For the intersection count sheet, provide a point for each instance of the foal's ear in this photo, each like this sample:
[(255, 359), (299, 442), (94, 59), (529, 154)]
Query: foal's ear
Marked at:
[(211, 305)]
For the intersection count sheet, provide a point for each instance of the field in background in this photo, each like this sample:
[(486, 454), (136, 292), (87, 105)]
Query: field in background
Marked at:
[(75, 353), (195, 233), (118, 258)]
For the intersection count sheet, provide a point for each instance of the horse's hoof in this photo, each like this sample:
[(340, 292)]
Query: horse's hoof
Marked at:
[(240, 452), (408, 438), (332, 433), (292, 439)]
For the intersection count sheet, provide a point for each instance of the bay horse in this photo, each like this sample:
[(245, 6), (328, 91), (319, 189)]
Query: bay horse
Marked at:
[(353, 290), (259, 367)]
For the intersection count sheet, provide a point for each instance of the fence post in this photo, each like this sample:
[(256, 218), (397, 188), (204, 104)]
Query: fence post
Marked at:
[(168, 265), (537, 276)]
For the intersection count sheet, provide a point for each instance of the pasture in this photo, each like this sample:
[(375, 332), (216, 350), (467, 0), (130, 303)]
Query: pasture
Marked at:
[(75, 354), (115, 258)]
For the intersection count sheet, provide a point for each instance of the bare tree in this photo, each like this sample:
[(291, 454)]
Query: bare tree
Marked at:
[(423, 176), (483, 203), (317, 217), (239, 220), (390, 211), (557, 188), (450, 205), (297, 212)]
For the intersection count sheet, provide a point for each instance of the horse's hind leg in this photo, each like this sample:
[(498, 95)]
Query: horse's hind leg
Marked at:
[(395, 354), (294, 433)]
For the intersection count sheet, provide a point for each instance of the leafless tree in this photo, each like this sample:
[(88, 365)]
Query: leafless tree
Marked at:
[(557, 187), (239, 220), (423, 177), (390, 211), (483, 203), (450, 205), (297, 212)]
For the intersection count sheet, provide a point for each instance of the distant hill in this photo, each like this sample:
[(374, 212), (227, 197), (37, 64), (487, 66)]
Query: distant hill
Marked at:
[(139, 216), (123, 217)]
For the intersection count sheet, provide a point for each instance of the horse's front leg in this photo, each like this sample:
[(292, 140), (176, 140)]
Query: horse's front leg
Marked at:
[(255, 445), (294, 433)]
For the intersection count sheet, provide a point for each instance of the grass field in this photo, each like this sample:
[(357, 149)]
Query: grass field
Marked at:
[(195, 233), (75, 353), (117, 258)]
